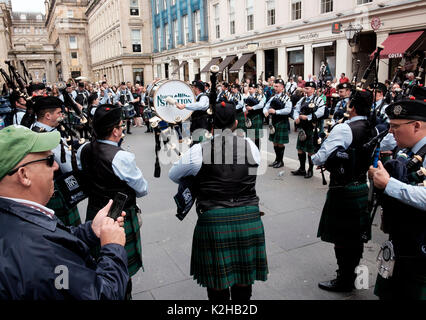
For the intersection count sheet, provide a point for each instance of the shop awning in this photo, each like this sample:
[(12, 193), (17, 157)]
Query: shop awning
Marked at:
[(180, 66), (226, 62), (211, 63), (241, 62), (396, 45), (323, 44)]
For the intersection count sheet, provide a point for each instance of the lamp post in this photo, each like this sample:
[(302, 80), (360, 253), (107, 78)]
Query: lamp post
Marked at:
[(352, 34)]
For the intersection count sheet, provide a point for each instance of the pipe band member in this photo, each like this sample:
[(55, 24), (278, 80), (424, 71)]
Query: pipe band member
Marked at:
[(306, 114), (49, 115), (345, 216), (199, 116), (228, 248), (279, 107), (254, 104), (110, 169), (404, 203)]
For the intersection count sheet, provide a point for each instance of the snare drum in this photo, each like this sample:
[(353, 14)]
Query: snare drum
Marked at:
[(175, 89)]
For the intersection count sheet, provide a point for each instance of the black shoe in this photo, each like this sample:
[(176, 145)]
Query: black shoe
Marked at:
[(336, 285), (272, 165), (309, 174), (129, 132), (299, 172), (279, 165)]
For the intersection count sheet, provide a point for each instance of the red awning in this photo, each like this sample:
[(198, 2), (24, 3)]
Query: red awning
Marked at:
[(398, 44)]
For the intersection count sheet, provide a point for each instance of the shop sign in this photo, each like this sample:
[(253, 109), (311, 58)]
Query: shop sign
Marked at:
[(376, 23), (308, 36), (395, 55)]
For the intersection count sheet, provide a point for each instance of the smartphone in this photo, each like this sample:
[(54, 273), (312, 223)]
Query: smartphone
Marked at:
[(117, 206)]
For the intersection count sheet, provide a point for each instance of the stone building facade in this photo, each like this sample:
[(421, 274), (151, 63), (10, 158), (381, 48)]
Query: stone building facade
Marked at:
[(5, 32), (120, 41), (66, 25)]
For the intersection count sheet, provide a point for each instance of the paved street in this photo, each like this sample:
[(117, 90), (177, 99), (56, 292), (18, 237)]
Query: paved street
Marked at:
[(297, 258)]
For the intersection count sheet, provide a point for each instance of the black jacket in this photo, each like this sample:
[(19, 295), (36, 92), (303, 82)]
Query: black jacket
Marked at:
[(33, 247)]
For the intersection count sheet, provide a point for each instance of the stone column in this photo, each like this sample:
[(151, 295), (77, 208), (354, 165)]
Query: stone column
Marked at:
[(260, 64), (384, 63), (181, 71), (205, 76), (191, 70), (283, 62), (343, 58), (309, 60)]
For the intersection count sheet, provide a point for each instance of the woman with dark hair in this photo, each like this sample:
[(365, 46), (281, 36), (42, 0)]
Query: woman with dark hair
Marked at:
[(137, 104)]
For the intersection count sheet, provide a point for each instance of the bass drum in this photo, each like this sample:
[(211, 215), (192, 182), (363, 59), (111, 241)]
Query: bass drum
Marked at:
[(164, 92)]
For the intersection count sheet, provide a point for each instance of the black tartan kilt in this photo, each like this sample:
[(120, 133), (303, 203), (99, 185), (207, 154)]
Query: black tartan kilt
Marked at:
[(257, 125), (281, 135), (71, 217), (241, 121), (133, 237), (345, 217), (308, 144)]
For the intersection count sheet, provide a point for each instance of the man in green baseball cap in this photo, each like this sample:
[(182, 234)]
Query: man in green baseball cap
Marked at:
[(22, 153), (35, 242)]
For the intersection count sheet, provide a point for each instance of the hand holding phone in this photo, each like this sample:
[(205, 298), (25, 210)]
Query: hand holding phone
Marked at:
[(117, 206)]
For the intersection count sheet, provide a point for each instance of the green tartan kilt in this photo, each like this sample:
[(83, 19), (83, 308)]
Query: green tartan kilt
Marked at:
[(228, 248), (308, 144), (345, 217), (133, 237), (407, 282), (71, 217), (241, 121), (257, 125), (281, 133)]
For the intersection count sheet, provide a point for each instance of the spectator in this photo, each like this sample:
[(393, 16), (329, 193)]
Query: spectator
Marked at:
[(344, 79), (35, 243)]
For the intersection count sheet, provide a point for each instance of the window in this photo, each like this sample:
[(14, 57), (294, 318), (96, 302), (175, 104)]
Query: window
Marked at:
[(73, 42), (250, 14), (164, 4), (185, 30), (326, 6), (231, 4), (270, 7), (167, 36), (70, 14), (157, 6), (158, 39), (136, 40), (296, 10), (217, 20), (175, 33), (134, 7), (73, 55), (364, 1), (197, 25), (173, 2)]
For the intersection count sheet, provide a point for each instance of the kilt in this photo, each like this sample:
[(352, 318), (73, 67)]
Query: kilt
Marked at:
[(241, 121), (257, 125), (281, 133), (228, 248), (345, 217), (407, 282), (308, 144), (133, 237), (70, 218)]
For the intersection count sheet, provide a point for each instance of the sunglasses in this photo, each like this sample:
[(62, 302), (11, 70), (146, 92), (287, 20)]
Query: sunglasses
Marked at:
[(50, 161), (123, 125)]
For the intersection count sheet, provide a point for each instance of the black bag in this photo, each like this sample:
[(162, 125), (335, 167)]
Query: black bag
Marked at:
[(72, 187), (185, 197)]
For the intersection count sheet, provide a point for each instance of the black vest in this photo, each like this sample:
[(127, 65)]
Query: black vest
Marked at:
[(306, 110), (278, 103), (199, 118), (353, 167), (103, 184), (82, 98), (226, 185), (254, 100)]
